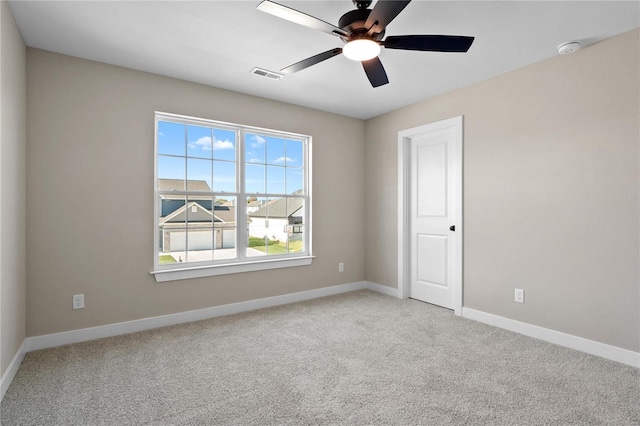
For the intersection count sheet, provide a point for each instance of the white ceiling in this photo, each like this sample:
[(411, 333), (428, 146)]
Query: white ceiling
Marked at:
[(218, 43)]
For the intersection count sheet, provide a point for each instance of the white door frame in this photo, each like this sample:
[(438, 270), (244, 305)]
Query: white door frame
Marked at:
[(404, 174)]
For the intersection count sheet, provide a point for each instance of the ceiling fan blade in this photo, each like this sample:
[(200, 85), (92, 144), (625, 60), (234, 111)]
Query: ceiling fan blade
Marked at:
[(306, 63), (383, 13), (375, 72), (300, 18), (429, 43)]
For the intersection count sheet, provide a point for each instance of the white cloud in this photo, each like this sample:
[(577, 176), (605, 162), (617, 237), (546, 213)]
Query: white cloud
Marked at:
[(160, 133), (217, 144), (283, 159), (258, 141), (254, 160), (204, 143), (207, 145)]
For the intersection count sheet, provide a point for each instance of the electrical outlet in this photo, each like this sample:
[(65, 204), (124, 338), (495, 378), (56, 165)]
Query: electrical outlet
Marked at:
[(519, 295), (78, 301), (340, 267)]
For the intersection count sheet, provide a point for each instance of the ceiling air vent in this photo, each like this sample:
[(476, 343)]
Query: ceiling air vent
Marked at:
[(266, 73)]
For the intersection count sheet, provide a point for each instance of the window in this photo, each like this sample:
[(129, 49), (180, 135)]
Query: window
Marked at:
[(229, 198)]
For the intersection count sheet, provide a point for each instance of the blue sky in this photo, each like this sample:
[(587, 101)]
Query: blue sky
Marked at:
[(273, 165)]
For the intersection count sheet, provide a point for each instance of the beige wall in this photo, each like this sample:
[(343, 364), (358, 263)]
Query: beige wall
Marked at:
[(551, 190), (551, 193), (13, 97), (90, 194)]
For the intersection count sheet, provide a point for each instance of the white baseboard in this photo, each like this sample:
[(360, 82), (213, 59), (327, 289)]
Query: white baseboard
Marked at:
[(11, 371), (389, 291), (75, 336), (86, 334), (592, 347)]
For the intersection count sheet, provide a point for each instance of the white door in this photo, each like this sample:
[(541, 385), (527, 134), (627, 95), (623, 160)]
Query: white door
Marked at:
[(434, 240)]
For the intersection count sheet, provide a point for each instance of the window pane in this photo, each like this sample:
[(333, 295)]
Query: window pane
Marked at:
[(258, 221), (296, 239), (199, 211), (275, 180), (171, 170), (172, 229), (199, 141), (268, 228), (199, 242), (255, 204), (254, 178), (295, 225), (224, 145), (224, 176), (295, 181), (164, 258), (166, 206), (198, 175), (226, 201), (254, 149), (275, 151), (294, 153), (199, 228), (174, 245), (224, 216), (169, 206), (171, 138)]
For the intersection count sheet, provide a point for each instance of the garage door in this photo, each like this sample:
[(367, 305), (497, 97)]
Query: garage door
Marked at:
[(228, 238), (198, 240)]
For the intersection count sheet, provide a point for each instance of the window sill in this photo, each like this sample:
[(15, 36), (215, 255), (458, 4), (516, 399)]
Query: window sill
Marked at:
[(213, 270)]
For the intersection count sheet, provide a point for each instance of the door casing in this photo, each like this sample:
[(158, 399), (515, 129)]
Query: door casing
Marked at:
[(404, 182)]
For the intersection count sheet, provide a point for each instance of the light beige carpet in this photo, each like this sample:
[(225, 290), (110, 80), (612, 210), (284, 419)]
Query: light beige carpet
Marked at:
[(354, 359)]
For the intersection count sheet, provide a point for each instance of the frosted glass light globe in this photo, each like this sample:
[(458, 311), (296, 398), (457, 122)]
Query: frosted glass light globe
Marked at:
[(361, 50)]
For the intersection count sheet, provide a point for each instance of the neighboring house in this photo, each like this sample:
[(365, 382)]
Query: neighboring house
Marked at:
[(280, 220), (254, 206), (208, 224)]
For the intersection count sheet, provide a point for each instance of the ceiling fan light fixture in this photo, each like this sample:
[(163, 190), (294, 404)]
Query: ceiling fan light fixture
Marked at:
[(361, 49)]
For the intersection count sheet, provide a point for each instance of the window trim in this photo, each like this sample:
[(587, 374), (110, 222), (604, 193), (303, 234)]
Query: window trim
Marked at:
[(229, 268), (170, 272)]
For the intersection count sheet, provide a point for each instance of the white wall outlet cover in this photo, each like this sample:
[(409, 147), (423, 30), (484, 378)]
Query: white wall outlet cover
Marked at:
[(78, 301), (519, 295)]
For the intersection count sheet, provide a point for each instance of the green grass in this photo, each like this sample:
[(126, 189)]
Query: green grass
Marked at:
[(166, 258), (275, 247), (258, 243)]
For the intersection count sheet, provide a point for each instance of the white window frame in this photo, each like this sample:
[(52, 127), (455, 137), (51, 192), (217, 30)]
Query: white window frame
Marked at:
[(171, 272)]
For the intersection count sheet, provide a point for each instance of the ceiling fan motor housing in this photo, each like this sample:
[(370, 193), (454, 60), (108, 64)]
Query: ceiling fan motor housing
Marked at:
[(353, 22), (363, 4)]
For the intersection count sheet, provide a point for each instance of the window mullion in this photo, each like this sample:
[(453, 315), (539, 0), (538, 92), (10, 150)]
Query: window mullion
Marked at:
[(241, 207), (306, 184), (186, 197)]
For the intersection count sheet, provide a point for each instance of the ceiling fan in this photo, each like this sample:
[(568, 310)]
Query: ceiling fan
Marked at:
[(362, 30)]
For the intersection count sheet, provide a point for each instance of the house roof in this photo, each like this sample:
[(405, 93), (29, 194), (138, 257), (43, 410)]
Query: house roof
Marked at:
[(224, 214), (178, 185), (280, 208)]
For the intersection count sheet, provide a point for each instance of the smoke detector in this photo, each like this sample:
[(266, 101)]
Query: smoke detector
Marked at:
[(568, 48)]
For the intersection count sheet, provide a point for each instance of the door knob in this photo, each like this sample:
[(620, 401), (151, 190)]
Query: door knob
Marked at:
[(452, 228)]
